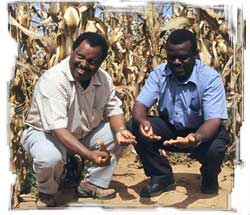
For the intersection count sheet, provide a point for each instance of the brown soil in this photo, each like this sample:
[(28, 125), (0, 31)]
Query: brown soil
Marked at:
[(129, 179)]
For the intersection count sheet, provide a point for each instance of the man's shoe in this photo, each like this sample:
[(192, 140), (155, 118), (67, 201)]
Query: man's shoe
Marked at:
[(209, 185), (45, 200), (85, 189), (158, 185)]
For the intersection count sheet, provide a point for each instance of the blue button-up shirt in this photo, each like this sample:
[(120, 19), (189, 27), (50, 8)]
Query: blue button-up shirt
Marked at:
[(186, 104)]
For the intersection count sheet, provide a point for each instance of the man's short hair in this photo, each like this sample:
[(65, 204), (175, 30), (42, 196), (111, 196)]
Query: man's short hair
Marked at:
[(182, 35), (94, 40)]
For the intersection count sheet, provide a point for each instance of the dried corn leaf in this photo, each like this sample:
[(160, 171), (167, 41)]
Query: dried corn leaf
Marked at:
[(204, 54), (91, 26), (177, 22), (115, 35), (26, 31), (54, 10), (213, 14), (228, 68)]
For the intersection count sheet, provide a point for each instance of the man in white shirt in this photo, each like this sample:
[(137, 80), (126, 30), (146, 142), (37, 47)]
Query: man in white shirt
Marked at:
[(73, 107)]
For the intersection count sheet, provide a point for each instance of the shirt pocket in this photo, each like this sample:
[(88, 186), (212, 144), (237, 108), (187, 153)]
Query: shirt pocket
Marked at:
[(195, 104), (193, 118)]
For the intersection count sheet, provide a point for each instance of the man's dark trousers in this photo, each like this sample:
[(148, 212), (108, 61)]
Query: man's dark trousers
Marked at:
[(209, 154)]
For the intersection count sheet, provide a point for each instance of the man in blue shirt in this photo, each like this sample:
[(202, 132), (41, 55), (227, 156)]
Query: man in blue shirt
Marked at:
[(191, 102)]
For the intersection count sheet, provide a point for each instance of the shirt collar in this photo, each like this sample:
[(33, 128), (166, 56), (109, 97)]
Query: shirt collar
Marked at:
[(96, 80)]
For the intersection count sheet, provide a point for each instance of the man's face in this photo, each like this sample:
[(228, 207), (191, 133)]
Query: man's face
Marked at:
[(84, 61), (181, 59)]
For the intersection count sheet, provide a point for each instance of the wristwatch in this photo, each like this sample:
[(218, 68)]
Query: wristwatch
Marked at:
[(120, 129)]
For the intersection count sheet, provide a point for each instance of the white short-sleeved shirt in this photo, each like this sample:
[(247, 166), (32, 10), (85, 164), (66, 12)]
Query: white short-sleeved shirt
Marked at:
[(60, 102)]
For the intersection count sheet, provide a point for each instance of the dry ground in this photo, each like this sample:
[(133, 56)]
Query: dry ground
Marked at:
[(128, 180)]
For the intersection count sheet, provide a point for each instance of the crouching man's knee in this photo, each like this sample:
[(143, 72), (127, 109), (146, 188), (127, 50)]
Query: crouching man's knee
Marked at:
[(48, 173)]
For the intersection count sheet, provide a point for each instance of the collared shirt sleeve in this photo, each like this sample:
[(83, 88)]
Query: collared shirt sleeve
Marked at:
[(151, 90), (51, 100), (214, 100)]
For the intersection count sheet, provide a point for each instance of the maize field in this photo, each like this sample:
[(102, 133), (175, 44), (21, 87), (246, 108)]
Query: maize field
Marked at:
[(44, 33)]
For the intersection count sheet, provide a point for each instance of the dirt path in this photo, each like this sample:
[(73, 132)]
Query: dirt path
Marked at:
[(128, 180)]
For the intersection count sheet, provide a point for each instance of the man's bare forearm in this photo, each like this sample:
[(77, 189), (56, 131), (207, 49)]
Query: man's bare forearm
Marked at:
[(71, 143), (208, 129), (117, 122), (139, 112)]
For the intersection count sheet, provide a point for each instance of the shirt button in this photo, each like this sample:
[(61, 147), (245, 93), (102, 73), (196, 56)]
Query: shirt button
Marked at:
[(176, 113)]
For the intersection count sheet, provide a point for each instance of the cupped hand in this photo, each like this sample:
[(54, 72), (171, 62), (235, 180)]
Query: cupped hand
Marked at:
[(147, 131), (125, 137), (101, 158), (182, 142)]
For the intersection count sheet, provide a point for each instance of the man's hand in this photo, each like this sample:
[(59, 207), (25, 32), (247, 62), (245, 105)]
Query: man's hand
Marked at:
[(191, 140), (122, 135), (100, 158), (125, 137), (147, 131)]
